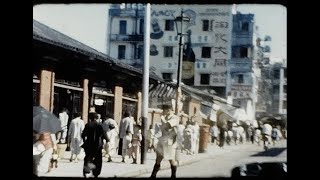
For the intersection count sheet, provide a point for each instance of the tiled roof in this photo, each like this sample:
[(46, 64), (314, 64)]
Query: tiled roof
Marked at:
[(48, 35)]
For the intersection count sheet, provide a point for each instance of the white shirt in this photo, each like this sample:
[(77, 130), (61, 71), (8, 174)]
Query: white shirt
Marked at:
[(64, 117), (214, 131), (76, 128), (126, 124)]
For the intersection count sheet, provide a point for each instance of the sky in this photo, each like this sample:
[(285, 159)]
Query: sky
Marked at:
[(87, 23)]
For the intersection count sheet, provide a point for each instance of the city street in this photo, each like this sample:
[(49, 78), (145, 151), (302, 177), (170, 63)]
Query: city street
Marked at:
[(216, 162), (221, 166)]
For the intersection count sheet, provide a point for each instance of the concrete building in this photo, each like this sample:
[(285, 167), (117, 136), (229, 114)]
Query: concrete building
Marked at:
[(125, 33), (279, 88), (241, 78), (207, 47), (263, 75)]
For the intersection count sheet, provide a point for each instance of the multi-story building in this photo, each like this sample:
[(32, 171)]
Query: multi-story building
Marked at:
[(279, 89), (262, 72), (241, 79), (125, 33), (207, 47)]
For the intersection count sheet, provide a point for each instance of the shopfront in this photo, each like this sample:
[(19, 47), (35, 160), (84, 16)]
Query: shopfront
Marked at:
[(67, 95), (103, 100)]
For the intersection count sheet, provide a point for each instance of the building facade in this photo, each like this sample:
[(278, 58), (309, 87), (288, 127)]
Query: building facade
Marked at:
[(207, 43), (242, 85), (125, 34), (279, 88)]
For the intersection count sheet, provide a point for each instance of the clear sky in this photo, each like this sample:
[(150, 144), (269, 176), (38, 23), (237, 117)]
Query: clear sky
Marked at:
[(87, 23)]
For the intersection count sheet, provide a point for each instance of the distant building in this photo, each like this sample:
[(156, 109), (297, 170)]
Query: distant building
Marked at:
[(125, 33), (241, 79), (207, 43), (279, 89)]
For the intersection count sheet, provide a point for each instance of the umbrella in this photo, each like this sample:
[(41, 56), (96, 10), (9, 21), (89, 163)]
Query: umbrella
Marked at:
[(45, 121)]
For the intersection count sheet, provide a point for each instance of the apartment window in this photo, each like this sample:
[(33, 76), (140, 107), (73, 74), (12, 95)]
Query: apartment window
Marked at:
[(234, 51), (284, 105), (204, 65), (167, 76), (243, 52), (168, 51), (140, 52), (285, 88), (245, 26), (205, 38), (123, 27), (121, 52), (205, 25), (240, 78), (206, 52), (198, 65), (211, 25), (285, 73), (169, 25), (204, 79), (276, 89), (276, 74), (141, 26)]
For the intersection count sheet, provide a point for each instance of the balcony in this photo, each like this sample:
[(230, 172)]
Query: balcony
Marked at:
[(240, 65), (126, 13), (276, 81), (284, 96), (276, 97), (126, 37), (132, 62), (285, 81)]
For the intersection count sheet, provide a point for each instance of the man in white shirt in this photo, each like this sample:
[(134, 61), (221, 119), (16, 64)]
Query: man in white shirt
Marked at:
[(126, 127), (167, 144), (75, 130), (214, 131), (64, 117)]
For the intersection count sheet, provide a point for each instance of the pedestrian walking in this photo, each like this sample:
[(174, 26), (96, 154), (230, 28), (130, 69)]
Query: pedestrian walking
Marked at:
[(151, 139), (136, 142), (111, 128), (166, 148), (74, 136), (214, 131), (125, 130), (64, 118), (93, 136)]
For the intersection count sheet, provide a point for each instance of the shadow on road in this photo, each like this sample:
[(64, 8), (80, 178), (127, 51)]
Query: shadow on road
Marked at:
[(271, 152)]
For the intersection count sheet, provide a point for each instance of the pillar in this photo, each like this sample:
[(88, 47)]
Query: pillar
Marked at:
[(85, 100), (139, 106), (46, 89), (118, 103)]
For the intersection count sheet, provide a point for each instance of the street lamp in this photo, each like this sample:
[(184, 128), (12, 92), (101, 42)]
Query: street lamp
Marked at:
[(179, 23)]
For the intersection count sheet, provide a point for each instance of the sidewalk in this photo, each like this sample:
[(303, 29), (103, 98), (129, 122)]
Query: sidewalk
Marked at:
[(119, 169)]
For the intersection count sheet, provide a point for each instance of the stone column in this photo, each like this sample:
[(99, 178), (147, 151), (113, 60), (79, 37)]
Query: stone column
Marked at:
[(85, 100), (118, 103), (139, 106), (46, 89)]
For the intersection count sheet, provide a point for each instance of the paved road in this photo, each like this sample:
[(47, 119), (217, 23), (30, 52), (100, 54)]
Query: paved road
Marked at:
[(221, 166)]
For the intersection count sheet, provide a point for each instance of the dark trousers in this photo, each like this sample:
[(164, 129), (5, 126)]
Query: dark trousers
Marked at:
[(120, 146), (95, 157)]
